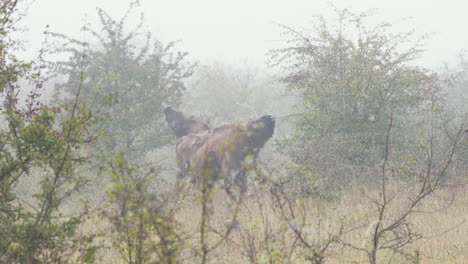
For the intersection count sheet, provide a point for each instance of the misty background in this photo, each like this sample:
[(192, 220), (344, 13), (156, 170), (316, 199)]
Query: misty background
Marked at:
[(363, 158), (233, 31), (230, 42)]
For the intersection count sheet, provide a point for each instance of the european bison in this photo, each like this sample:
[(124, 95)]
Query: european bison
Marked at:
[(226, 152), (183, 126)]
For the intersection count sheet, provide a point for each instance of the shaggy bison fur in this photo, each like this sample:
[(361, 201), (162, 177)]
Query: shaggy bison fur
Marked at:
[(227, 152)]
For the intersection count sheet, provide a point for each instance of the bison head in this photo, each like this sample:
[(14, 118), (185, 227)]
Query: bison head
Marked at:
[(181, 125), (259, 131)]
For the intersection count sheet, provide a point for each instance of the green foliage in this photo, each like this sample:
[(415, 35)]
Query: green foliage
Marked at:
[(138, 80), (38, 138), (38, 232), (458, 98), (351, 79), (145, 230)]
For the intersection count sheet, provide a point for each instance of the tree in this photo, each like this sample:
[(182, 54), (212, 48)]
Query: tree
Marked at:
[(144, 227), (351, 79), (458, 98), (49, 140), (139, 80)]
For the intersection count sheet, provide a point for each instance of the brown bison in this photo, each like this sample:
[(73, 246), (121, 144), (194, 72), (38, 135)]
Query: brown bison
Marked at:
[(183, 126), (226, 152)]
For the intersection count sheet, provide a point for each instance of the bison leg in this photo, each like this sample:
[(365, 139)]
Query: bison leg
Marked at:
[(181, 173), (210, 170), (239, 179), (179, 178)]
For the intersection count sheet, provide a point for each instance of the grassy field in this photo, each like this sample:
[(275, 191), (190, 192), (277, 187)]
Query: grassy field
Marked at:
[(281, 225), (264, 233)]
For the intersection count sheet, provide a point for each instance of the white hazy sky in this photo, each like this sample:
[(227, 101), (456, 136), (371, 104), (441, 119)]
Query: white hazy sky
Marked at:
[(241, 29)]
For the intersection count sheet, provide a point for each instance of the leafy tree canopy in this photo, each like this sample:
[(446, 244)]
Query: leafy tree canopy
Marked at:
[(137, 79), (351, 78)]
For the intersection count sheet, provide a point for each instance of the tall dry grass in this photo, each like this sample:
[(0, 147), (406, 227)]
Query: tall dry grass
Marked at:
[(262, 235)]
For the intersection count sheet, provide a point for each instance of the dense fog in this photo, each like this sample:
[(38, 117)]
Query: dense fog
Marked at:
[(233, 131)]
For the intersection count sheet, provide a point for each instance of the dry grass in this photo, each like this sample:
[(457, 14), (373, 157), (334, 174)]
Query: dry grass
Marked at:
[(263, 233)]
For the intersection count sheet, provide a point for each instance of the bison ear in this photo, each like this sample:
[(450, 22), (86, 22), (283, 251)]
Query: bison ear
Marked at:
[(175, 120), (260, 130)]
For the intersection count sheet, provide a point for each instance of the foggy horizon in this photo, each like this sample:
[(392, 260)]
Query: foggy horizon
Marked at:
[(233, 32)]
